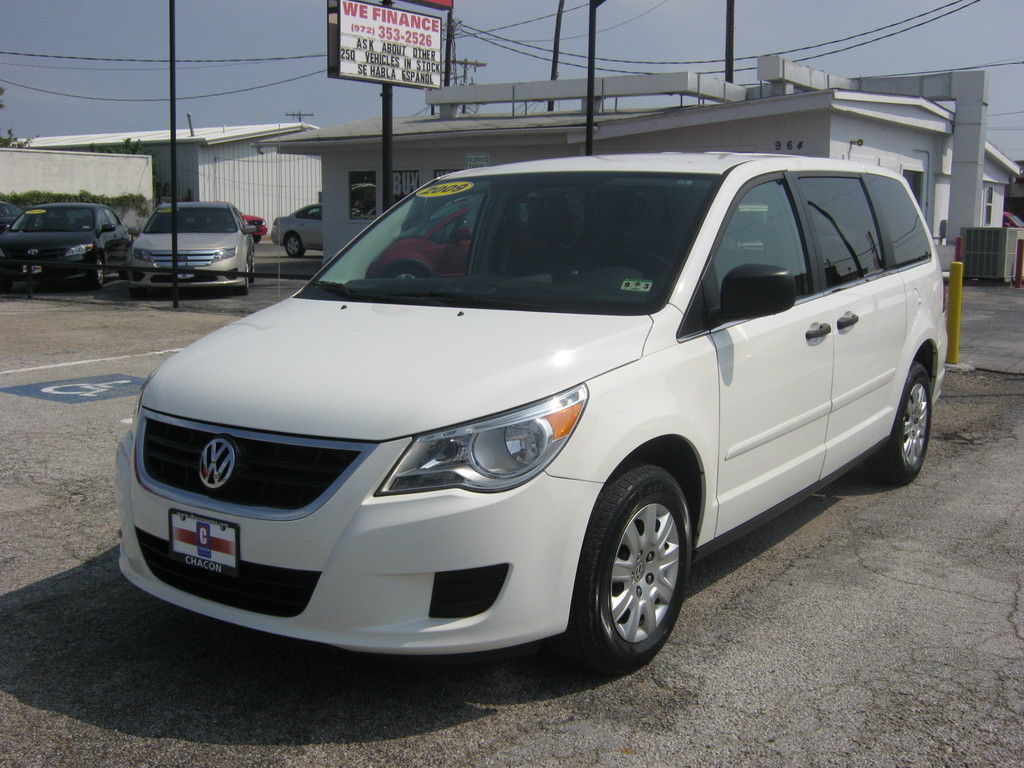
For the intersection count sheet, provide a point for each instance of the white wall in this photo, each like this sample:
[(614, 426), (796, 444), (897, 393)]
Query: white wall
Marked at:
[(26, 170)]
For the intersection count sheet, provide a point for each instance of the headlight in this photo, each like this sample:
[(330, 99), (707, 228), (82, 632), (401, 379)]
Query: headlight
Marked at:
[(80, 250), (142, 255), (491, 455), (223, 253)]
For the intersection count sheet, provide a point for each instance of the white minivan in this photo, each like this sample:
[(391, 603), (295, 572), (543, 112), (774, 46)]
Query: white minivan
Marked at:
[(582, 376)]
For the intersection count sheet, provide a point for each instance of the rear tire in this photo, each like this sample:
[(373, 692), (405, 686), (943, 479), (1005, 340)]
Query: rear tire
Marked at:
[(632, 575), (900, 459)]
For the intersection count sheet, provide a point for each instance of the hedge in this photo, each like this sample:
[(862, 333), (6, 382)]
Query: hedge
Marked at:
[(136, 204)]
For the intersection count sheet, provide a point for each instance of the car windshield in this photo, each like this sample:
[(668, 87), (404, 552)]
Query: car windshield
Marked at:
[(6, 209), (202, 220), (54, 220), (593, 242)]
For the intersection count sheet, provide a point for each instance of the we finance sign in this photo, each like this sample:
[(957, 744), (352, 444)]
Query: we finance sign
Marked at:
[(385, 45)]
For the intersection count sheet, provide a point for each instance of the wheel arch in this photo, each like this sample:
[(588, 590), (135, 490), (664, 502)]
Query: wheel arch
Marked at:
[(679, 458)]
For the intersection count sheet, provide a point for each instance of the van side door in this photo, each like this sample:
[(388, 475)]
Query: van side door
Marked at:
[(867, 309), (775, 372)]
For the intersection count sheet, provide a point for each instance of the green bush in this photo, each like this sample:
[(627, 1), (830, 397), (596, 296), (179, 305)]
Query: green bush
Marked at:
[(137, 205)]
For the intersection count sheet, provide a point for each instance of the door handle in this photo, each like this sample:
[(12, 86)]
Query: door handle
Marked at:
[(846, 321), (820, 331)]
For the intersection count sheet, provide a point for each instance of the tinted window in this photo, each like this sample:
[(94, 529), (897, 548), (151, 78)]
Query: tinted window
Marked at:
[(910, 240), (600, 243), (843, 226), (763, 230)]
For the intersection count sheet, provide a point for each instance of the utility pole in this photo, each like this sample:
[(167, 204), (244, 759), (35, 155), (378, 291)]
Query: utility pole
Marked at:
[(298, 115), (591, 56), (555, 47)]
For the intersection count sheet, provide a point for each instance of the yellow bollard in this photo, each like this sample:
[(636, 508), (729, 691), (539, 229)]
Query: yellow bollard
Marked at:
[(956, 290)]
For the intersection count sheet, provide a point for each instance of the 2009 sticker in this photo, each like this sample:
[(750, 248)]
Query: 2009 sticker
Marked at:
[(448, 188), (636, 286)]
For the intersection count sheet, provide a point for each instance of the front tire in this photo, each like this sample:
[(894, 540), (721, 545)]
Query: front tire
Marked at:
[(293, 246), (93, 279), (632, 576), (900, 459)]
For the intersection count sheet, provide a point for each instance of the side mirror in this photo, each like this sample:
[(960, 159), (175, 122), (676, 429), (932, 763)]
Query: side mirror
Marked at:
[(107, 228), (249, 229), (756, 290)]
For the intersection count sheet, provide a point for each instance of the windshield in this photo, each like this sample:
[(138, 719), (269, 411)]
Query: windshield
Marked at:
[(204, 220), (595, 243), (54, 220)]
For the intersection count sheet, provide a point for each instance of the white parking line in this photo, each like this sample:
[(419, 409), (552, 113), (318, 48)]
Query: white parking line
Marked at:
[(96, 360)]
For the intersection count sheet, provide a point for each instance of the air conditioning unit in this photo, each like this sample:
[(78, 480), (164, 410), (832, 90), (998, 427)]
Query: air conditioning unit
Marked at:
[(990, 253)]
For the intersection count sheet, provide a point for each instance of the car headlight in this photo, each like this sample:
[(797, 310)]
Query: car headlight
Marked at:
[(80, 250), (223, 253), (490, 455), (142, 255)]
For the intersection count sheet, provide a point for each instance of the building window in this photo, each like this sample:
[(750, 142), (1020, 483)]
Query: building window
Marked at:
[(362, 194), (989, 205)]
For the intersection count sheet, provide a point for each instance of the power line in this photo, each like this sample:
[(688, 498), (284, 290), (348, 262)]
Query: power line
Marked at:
[(180, 98)]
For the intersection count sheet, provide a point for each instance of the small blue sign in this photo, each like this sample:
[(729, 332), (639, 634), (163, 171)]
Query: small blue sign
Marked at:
[(87, 390)]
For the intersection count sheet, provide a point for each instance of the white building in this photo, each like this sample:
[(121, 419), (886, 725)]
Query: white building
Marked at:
[(225, 164), (931, 129)]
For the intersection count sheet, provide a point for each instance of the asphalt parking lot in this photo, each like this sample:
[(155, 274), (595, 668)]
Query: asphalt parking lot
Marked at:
[(866, 627)]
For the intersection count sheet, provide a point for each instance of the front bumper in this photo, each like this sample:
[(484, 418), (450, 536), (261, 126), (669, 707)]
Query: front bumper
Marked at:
[(383, 563)]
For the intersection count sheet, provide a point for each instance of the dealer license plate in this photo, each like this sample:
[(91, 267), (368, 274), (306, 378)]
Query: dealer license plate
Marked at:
[(203, 542)]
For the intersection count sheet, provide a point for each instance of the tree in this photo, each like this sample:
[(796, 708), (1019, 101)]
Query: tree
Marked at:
[(10, 140)]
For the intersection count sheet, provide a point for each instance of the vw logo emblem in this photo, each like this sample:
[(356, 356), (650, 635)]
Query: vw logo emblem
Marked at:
[(32, 251), (217, 462)]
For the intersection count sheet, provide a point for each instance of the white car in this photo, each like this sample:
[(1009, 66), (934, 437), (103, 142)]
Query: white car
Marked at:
[(215, 249), (641, 358), (301, 230)]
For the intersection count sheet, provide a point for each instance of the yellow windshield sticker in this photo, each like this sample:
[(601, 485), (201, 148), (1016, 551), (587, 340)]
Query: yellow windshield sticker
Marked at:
[(448, 188), (36, 210)]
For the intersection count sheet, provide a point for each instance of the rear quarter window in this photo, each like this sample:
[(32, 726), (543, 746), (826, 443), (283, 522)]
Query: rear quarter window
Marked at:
[(910, 240)]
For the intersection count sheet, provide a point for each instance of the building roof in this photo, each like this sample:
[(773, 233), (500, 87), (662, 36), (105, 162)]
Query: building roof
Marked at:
[(182, 135)]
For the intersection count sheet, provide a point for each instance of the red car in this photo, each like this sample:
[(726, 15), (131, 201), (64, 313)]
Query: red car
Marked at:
[(438, 249), (1012, 220), (260, 224)]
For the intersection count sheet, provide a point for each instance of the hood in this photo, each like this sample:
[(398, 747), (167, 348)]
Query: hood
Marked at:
[(376, 372), (22, 241), (187, 241)]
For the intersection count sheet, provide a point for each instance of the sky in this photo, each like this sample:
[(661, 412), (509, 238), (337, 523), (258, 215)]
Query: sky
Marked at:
[(59, 78)]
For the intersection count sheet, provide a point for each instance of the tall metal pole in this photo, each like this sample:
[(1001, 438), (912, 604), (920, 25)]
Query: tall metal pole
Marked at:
[(730, 30), (174, 159), (591, 55), (387, 141)]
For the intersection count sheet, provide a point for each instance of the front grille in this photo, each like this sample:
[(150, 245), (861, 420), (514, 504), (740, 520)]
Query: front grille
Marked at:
[(259, 588), (186, 259), (271, 471)]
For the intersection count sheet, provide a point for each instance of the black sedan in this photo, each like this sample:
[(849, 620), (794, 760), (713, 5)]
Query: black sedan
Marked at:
[(83, 234), (8, 213)]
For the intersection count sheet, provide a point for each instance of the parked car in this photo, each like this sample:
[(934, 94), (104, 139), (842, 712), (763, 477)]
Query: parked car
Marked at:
[(8, 213), (214, 245), (641, 358), (300, 231), (86, 235), (1012, 220), (259, 223), (438, 246)]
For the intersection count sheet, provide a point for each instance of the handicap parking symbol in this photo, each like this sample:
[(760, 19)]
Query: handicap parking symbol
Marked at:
[(87, 390)]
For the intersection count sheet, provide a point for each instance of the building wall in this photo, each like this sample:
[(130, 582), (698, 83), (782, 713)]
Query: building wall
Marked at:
[(25, 170), (263, 183)]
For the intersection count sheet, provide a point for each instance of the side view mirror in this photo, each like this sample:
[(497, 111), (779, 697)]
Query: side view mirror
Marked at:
[(107, 228), (756, 290), (249, 229)]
